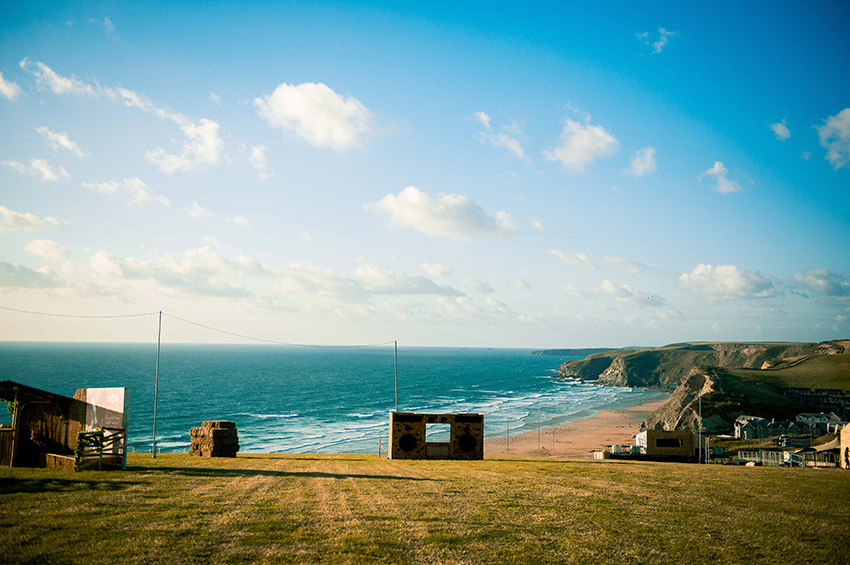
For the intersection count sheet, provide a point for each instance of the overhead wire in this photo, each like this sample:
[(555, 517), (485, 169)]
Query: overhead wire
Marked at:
[(272, 340), (54, 315), (198, 324)]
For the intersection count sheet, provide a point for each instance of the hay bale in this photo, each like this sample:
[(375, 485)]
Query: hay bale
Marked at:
[(215, 438)]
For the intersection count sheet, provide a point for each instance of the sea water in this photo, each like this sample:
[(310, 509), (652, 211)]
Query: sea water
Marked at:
[(311, 400)]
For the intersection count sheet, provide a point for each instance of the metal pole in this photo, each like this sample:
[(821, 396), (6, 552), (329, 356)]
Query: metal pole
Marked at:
[(699, 430), (508, 435), (156, 383), (538, 429), (395, 355)]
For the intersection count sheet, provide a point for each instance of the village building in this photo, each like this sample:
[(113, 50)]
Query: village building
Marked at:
[(673, 444)]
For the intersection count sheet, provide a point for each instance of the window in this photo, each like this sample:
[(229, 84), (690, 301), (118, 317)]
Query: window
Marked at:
[(438, 432), (668, 442)]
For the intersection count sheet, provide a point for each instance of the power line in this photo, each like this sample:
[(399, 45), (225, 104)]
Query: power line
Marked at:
[(272, 340), (184, 320), (77, 315)]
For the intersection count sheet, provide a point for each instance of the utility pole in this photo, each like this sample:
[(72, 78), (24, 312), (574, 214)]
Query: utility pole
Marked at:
[(156, 383), (395, 357)]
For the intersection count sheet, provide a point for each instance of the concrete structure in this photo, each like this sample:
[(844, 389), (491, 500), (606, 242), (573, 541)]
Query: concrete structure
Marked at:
[(408, 436), (675, 444)]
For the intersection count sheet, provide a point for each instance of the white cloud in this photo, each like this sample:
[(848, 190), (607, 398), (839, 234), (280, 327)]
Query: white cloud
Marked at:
[(571, 290), (203, 147), (722, 183), (215, 97), (478, 286), (305, 236), (259, 160), (780, 130), (40, 167), (500, 139), (727, 282), (45, 77), (643, 162), (317, 115), (826, 283), (631, 267), (577, 260), (197, 211), (107, 23), (48, 249), (135, 189), (200, 272), (9, 89), (57, 140), (448, 215), (582, 144), (436, 270), (834, 136), (14, 221), (626, 294), (483, 118), (504, 141), (377, 281), (519, 284), (240, 221), (536, 224), (19, 276), (657, 45)]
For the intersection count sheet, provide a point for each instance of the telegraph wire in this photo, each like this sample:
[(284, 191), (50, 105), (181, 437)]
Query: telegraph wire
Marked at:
[(78, 315), (271, 340), (206, 327)]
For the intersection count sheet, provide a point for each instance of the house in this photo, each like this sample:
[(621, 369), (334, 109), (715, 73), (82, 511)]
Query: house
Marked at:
[(674, 444), (746, 427), (55, 431), (811, 421)]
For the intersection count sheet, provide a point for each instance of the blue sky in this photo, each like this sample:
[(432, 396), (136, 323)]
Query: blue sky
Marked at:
[(550, 175)]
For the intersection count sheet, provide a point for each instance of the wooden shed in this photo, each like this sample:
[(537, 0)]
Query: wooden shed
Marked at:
[(88, 431)]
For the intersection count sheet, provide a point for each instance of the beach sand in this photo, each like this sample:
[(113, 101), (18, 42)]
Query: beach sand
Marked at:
[(579, 438)]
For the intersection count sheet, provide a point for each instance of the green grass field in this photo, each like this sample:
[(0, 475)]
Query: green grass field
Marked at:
[(826, 371), (357, 508)]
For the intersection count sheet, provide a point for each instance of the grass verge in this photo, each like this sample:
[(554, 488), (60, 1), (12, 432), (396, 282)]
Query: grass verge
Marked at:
[(356, 508)]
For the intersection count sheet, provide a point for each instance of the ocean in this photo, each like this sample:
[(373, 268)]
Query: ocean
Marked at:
[(311, 400)]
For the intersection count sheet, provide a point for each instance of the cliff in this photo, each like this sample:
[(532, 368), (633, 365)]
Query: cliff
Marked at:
[(731, 378), (666, 367)]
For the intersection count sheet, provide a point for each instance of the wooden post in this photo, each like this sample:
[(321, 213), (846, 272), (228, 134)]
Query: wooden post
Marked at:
[(16, 421)]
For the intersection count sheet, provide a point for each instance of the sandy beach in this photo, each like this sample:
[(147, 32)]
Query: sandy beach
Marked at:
[(579, 438)]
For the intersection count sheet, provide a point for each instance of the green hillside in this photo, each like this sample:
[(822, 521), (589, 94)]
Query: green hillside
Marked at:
[(666, 367), (359, 509), (828, 371)]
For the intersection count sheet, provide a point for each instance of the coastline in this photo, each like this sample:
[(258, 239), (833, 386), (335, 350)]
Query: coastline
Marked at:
[(578, 438)]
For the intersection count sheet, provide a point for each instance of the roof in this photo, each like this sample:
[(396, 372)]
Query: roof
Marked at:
[(10, 390), (828, 446)]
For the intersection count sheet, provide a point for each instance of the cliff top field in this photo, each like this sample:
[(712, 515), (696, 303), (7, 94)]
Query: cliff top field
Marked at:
[(356, 508), (665, 367)]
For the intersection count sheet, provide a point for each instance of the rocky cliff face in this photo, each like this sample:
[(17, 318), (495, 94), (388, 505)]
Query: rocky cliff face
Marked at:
[(691, 371), (666, 367), (723, 397)]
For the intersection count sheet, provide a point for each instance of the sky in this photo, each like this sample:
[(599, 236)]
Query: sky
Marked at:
[(441, 174)]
